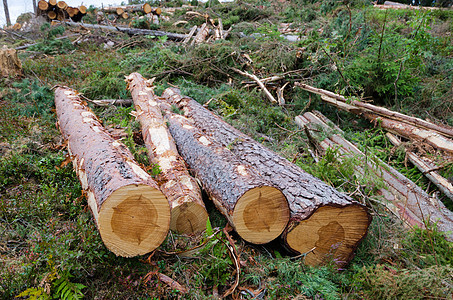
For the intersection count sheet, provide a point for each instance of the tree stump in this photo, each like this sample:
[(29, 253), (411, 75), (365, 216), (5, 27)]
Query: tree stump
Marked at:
[(10, 64)]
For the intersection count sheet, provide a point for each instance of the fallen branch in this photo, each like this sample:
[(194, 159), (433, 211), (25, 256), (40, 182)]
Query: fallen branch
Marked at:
[(259, 82), (131, 31), (405, 198), (426, 167)]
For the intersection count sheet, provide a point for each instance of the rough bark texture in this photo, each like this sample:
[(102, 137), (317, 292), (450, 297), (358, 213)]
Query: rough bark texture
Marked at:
[(406, 199), (10, 64), (305, 193), (131, 214), (188, 213), (258, 212), (133, 31)]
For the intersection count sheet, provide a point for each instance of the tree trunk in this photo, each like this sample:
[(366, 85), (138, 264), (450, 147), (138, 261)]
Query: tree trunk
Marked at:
[(407, 200), (257, 210), (145, 8), (324, 223), (132, 31), (35, 10), (188, 213), (5, 7), (10, 64), (131, 213)]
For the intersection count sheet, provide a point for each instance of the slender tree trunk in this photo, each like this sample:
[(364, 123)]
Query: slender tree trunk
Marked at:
[(34, 6), (5, 6)]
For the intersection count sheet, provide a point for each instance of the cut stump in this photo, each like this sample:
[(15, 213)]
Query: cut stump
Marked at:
[(10, 64)]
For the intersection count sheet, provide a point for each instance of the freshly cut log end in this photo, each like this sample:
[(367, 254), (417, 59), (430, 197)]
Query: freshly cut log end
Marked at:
[(82, 9), (43, 5), (119, 11), (261, 214), (147, 8), (133, 220), (52, 2), (330, 233), (158, 11), (52, 15), (188, 218), (62, 5)]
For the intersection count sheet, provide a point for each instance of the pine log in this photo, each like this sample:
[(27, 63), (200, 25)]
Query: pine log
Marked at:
[(83, 9), (407, 200), (132, 31), (52, 2), (324, 223), (426, 167), (132, 215), (62, 5), (52, 14), (361, 107), (72, 11), (10, 64), (188, 213), (43, 5), (256, 209), (80, 14), (145, 8)]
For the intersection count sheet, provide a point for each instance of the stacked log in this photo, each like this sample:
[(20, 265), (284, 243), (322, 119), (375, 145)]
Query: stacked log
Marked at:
[(324, 225), (403, 197), (53, 10), (131, 214), (123, 11), (188, 213)]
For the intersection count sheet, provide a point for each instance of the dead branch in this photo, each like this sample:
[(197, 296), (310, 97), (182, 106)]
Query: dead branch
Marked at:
[(259, 82)]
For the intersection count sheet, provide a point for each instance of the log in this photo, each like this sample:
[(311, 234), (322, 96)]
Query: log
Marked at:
[(62, 5), (72, 11), (52, 2), (132, 31), (404, 198), (188, 213), (43, 5), (324, 223), (256, 209), (82, 11), (52, 14), (131, 214), (361, 107), (201, 35), (145, 8), (10, 64), (426, 167)]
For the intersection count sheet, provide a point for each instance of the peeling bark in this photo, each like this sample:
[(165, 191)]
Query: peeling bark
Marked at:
[(188, 213), (131, 213)]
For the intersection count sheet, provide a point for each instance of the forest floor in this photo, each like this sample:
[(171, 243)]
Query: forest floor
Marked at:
[(400, 59)]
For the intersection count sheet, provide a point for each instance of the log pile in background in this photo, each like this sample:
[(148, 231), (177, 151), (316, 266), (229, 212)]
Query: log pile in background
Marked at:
[(131, 213), (125, 10), (403, 197), (59, 10), (324, 223), (188, 213)]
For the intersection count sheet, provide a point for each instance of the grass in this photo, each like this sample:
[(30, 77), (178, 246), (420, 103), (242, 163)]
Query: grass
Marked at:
[(49, 241)]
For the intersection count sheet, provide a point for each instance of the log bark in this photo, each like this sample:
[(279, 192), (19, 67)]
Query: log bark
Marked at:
[(407, 200), (426, 167), (256, 209), (188, 213), (361, 107), (10, 64), (132, 31), (130, 212), (324, 222)]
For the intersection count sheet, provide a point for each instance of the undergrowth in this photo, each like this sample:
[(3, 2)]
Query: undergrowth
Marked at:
[(49, 244)]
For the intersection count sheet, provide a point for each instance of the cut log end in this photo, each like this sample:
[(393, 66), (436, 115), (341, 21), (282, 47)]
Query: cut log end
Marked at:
[(261, 214), (188, 218), (330, 234), (134, 220)]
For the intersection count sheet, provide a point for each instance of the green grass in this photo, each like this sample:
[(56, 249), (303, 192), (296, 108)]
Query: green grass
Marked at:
[(49, 241)]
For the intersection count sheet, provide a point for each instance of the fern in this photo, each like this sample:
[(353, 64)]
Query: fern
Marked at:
[(67, 290)]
